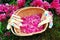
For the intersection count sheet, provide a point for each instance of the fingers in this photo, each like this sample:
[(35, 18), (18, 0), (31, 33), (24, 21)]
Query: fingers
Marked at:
[(45, 21), (51, 24), (18, 23), (19, 20), (42, 23), (42, 18), (15, 17), (45, 14), (15, 25), (46, 18), (14, 21), (8, 26)]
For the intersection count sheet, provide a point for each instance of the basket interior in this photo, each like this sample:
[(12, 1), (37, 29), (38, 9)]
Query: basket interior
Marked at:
[(28, 12)]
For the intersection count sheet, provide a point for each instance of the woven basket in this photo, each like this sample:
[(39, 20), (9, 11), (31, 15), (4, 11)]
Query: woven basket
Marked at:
[(27, 12)]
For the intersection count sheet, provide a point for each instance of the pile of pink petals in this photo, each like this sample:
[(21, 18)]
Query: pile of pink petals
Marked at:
[(2, 17), (21, 3), (40, 3), (6, 10), (30, 24), (56, 5)]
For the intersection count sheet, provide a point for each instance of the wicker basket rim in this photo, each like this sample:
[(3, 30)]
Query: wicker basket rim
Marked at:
[(20, 34)]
